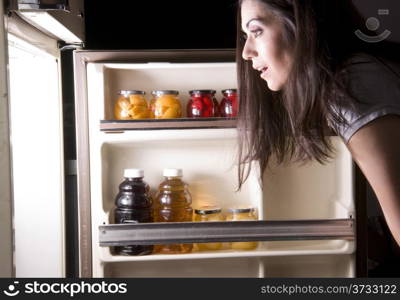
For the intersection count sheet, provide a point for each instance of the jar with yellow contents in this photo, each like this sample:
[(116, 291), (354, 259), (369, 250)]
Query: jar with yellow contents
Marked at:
[(166, 104), (242, 214), (131, 105), (208, 214)]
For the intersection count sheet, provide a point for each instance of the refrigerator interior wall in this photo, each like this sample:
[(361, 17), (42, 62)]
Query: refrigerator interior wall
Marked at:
[(207, 157)]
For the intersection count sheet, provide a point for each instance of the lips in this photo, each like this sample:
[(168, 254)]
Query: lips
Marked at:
[(263, 70)]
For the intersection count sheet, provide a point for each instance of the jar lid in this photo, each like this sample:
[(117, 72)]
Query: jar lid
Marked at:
[(131, 92), (202, 92), (241, 210), (165, 92), (173, 173), (207, 210), (229, 91), (133, 173)]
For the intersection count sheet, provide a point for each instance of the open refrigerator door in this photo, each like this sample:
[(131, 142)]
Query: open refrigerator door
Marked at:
[(31, 130), (6, 246), (305, 214)]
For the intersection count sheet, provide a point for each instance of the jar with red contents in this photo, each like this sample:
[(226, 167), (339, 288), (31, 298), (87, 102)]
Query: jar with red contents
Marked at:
[(201, 104), (229, 104), (216, 105)]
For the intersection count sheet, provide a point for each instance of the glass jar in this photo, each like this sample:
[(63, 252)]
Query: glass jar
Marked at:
[(229, 104), (216, 106), (201, 104), (242, 214), (131, 105), (207, 214), (166, 104), (152, 106)]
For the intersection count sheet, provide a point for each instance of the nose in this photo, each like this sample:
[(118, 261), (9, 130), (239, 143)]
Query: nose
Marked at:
[(248, 50)]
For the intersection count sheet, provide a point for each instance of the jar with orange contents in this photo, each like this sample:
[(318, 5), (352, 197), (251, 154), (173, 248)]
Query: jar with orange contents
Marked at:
[(208, 214), (167, 104), (131, 105), (242, 214)]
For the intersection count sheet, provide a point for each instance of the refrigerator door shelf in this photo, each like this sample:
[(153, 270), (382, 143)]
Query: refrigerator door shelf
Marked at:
[(228, 231), (306, 237), (183, 123), (108, 80)]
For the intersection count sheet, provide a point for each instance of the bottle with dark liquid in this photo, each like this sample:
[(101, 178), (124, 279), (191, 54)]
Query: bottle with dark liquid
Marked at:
[(173, 203), (133, 204)]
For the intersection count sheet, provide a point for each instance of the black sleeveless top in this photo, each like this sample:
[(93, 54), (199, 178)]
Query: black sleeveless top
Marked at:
[(374, 83)]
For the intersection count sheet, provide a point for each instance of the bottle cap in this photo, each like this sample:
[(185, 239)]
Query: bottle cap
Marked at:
[(133, 173), (173, 172)]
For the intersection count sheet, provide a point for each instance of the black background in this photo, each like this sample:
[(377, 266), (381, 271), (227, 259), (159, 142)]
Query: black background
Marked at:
[(171, 24), (178, 24)]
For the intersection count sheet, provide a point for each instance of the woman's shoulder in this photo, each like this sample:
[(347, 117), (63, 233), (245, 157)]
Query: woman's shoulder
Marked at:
[(371, 78), (373, 84)]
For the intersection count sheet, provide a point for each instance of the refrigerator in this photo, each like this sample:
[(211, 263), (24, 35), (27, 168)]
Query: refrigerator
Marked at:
[(306, 213), (310, 218)]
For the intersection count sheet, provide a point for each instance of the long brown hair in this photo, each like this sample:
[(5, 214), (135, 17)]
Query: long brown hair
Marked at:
[(292, 124)]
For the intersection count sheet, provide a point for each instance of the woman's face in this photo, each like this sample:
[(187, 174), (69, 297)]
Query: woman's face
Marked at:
[(264, 45)]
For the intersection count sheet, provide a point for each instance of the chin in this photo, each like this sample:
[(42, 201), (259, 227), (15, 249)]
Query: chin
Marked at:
[(273, 86)]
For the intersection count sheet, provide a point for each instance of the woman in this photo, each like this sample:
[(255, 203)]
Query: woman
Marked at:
[(300, 75)]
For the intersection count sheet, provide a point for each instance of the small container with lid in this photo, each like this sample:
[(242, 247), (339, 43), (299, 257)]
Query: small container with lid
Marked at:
[(229, 104), (209, 213), (201, 104), (166, 104), (242, 214), (131, 105)]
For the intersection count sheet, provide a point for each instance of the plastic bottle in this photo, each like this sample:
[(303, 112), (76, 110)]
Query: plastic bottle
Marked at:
[(173, 203), (133, 203)]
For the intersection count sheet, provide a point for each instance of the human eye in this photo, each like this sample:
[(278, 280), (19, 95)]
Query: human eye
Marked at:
[(244, 36), (256, 32)]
